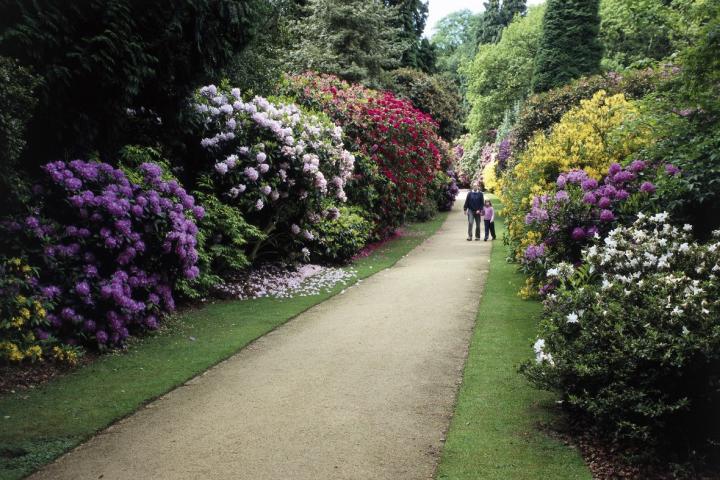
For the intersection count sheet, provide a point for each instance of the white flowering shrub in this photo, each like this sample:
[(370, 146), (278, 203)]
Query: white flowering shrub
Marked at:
[(277, 163), (632, 336)]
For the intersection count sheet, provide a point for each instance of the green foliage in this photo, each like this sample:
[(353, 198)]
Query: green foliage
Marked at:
[(501, 73), (455, 42), (542, 111), (223, 235), (99, 58), (491, 23), (569, 47), (433, 95), (411, 19), (632, 339), (354, 39), (341, 238), (637, 32), (17, 102)]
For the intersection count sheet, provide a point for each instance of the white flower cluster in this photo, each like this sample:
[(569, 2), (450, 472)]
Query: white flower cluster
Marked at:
[(540, 354), (271, 154)]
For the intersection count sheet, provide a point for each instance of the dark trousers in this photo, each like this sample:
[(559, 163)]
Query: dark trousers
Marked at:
[(489, 229), (473, 218)]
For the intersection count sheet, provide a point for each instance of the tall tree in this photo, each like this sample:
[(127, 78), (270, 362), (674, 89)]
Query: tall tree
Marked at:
[(491, 24), (355, 39), (411, 20), (569, 47), (510, 8)]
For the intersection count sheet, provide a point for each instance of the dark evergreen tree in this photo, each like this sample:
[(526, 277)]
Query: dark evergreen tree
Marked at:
[(355, 39), (569, 46), (510, 8), (100, 61), (411, 20), (491, 23), (427, 57)]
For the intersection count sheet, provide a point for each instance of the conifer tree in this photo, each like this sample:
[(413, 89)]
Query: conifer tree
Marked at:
[(491, 23), (510, 8), (411, 20), (569, 46), (355, 39)]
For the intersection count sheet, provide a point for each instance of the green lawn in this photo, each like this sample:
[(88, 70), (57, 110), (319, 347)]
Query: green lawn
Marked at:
[(494, 433), (38, 425)]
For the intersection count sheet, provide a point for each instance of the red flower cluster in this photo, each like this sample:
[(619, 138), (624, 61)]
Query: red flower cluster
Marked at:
[(401, 140)]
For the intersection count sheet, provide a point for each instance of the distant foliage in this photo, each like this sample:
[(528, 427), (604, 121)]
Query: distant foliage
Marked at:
[(432, 95), (501, 74), (569, 46), (356, 40), (17, 105)]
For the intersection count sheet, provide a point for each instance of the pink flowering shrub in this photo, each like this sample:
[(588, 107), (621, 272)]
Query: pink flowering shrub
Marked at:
[(630, 338), (581, 208), (278, 164), (108, 251)]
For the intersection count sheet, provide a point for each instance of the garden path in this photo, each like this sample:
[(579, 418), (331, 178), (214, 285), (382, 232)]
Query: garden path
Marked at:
[(361, 386)]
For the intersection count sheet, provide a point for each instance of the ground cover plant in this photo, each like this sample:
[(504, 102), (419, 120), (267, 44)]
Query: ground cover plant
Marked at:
[(35, 427)]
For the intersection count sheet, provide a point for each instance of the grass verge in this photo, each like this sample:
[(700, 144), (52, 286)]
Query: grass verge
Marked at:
[(38, 425), (494, 433)]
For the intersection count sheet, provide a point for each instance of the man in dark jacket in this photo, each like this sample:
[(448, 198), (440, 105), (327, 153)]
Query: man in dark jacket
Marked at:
[(474, 204)]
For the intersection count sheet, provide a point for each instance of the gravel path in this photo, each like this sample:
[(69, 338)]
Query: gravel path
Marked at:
[(361, 386)]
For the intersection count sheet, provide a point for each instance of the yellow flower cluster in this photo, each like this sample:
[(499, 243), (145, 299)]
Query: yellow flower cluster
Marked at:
[(591, 136), (489, 176), (66, 355), (19, 316)]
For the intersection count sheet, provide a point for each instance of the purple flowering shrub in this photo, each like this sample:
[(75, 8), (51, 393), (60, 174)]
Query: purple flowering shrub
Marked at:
[(276, 163), (109, 251), (562, 223), (630, 337)]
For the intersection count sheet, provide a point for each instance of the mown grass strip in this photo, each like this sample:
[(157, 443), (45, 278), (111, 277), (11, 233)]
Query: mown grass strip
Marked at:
[(495, 430), (38, 425)]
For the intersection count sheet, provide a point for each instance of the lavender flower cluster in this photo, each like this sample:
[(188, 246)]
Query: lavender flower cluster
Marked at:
[(111, 249), (270, 156)]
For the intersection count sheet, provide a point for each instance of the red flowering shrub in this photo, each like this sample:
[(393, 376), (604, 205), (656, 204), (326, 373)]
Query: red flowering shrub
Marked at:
[(400, 139)]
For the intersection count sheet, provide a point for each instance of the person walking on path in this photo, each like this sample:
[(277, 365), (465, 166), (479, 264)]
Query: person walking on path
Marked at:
[(489, 215), (473, 208)]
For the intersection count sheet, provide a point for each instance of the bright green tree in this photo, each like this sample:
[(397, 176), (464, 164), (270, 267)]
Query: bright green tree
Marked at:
[(355, 39), (638, 32), (501, 74), (454, 41), (569, 47)]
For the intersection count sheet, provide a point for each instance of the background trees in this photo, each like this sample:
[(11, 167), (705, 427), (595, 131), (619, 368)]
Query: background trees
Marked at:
[(569, 47)]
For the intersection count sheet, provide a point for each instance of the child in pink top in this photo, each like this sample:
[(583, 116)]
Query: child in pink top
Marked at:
[(489, 217)]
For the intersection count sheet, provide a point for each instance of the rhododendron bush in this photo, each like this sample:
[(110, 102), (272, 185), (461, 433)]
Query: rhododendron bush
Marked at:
[(560, 223), (400, 139), (590, 137), (632, 338), (276, 163), (108, 251)]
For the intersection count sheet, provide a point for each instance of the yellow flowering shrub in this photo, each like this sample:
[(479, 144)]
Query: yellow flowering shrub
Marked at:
[(23, 317), (489, 177), (600, 131)]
